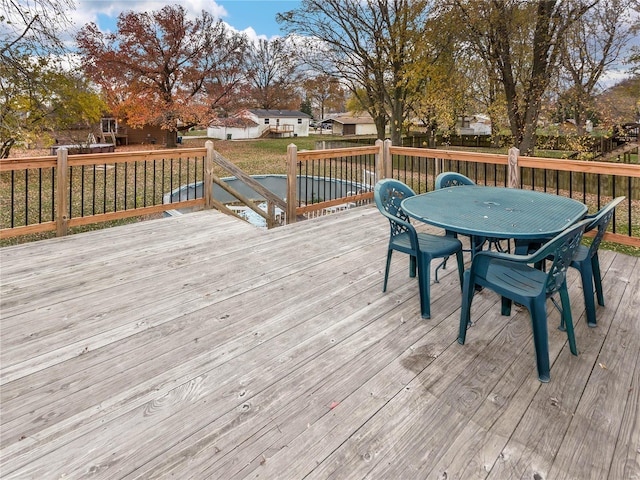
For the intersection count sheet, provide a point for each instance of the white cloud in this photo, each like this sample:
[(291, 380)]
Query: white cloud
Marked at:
[(89, 10), (612, 77)]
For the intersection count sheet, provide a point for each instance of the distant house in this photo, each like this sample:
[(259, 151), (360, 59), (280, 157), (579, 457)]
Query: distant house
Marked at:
[(112, 128), (568, 127), (234, 128), (258, 123), (474, 125), (354, 125)]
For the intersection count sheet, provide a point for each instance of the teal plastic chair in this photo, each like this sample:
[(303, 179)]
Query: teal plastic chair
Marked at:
[(455, 179), (513, 277), (452, 179), (586, 259), (421, 247)]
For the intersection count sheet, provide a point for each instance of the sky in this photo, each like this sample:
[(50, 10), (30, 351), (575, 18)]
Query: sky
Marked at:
[(256, 18)]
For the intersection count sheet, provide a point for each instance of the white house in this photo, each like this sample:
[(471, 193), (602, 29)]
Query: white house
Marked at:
[(354, 125), (474, 125), (258, 123)]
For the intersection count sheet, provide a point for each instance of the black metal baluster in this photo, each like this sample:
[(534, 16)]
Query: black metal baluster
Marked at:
[(154, 182), (171, 179), (93, 198), (115, 187), (13, 201), (39, 195), (126, 183), (570, 184), (82, 191), (70, 170), (299, 184), (144, 189), (26, 196), (135, 185), (53, 194), (533, 177), (629, 209), (104, 189), (179, 179)]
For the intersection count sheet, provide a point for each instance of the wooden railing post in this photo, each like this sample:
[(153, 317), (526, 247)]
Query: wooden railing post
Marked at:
[(62, 199), (208, 176), (379, 160), (271, 215), (514, 169), (387, 160), (292, 183)]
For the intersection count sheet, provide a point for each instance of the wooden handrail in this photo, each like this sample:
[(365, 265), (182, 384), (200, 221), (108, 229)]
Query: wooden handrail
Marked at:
[(384, 153)]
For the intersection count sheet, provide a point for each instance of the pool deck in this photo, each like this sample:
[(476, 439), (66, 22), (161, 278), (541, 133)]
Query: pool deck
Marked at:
[(201, 347)]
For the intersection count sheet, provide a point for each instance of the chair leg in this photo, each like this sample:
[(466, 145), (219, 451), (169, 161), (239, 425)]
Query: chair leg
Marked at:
[(538, 314), (386, 270), (412, 266), (597, 278), (567, 319), (442, 265), (465, 310), (506, 306), (424, 277), (460, 259), (586, 274)]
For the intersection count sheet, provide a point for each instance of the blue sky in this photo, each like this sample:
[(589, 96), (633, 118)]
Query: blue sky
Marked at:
[(256, 18)]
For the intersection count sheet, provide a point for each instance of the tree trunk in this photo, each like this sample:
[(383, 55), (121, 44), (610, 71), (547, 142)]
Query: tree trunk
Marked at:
[(397, 119), (172, 139), (381, 126)]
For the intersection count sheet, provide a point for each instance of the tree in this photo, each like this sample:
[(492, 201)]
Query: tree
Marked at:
[(162, 69), (369, 46), (633, 58), (620, 103), (593, 44), (325, 93), (305, 107), (272, 74), (37, 92), (522, 43)]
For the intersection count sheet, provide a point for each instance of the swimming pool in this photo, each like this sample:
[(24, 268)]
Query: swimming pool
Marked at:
[(310, 189)]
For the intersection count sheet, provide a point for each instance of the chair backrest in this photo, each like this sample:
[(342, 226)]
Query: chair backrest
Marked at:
[(561, 249), (601, 221), (452, 179), (388, 194)]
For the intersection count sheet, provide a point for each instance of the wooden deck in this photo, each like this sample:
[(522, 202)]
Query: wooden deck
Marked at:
[(201, 347)]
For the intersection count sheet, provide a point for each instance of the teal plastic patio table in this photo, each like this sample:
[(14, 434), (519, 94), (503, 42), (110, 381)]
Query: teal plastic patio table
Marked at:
[(495, 212)]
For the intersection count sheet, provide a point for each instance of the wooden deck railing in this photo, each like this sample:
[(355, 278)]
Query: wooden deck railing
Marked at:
[(593, 183), (55, 193), (321, 181)]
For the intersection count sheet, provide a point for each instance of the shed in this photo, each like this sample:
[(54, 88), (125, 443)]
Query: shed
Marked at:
[(354, 125)]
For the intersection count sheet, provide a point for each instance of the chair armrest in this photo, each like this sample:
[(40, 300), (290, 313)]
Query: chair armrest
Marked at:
[(411, 229), (491, 254)]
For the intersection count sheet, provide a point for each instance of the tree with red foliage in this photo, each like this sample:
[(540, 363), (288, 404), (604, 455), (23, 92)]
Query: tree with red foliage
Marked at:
[(161, 68)]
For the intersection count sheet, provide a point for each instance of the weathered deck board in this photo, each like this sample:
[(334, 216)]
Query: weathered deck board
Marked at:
[(201, 347)]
